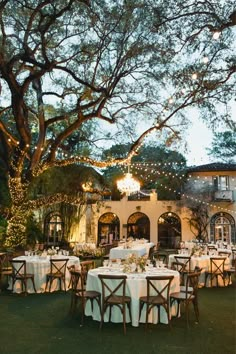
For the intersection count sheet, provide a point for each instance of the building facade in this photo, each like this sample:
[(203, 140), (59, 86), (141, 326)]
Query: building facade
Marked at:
[(211, 186)]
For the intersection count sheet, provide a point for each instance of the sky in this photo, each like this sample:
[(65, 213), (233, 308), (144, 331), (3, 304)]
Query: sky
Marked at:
[(198, 138)]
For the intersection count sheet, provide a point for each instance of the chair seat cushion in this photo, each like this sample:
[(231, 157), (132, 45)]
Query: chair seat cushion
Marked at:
[(55, 275), (91, 293), (28, 275), (183, 288), (6, 272), (231, 270), (154, 300), (117, 299), (182, 296)]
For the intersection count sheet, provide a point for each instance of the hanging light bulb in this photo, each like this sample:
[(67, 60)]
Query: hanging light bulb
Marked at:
[(128, 184)]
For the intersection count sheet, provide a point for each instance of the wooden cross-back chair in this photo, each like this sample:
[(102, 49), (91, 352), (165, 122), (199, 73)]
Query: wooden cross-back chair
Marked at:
[(5, 267), (217, 269), (188, 295), (186, 260), (79, 292), (114, 295), (158, 295), (85, 266), (19, 273), (157, 256), (57, 272)]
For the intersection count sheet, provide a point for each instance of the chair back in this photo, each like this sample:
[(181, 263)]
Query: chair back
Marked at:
[(18, 268), (212, 248), (233, 257), (160, 257), (159, 286), (192, 283), (58, 266), (77, 283), (151, 252), (179, 266), (3, 256), (217, 265), (113, 287), (197, 269), (184, 259), (85, 267), (223, 253)]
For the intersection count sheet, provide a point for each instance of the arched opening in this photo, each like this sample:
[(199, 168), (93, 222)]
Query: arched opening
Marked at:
[(53, 229), (138, 226), (169, 230), (223, 228), (108, 228)]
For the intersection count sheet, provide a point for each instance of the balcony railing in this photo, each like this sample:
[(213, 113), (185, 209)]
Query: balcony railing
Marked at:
[(223, 196)]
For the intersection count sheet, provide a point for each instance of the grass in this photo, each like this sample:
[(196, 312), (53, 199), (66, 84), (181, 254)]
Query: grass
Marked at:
[(41, 323)]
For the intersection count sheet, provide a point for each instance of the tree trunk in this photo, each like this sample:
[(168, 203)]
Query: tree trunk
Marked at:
[(16, 226)]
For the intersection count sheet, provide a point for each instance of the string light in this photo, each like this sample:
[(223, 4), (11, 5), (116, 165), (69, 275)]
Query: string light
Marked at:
[(205, 60), (17, 189), (216, 35)]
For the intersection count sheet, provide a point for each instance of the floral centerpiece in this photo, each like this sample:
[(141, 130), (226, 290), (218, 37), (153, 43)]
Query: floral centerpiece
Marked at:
[(197, 251), (134, 263), (52, 251), (86, 251)]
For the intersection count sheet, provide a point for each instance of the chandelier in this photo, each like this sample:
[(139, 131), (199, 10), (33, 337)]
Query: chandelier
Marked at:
[(128, 184)]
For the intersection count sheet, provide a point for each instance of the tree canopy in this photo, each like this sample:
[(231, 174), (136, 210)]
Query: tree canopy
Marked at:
[(75, 74), (224, 146), (156, 167)]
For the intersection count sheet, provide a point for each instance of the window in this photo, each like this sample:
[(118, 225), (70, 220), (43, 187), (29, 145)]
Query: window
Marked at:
[(221, 183), (53, 229), (222, 228)]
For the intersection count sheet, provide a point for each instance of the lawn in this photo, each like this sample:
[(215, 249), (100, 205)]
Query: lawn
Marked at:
[(42, 324)]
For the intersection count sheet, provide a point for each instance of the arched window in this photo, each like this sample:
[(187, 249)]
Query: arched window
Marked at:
[(169, 230), (53, 228), (138, 226), (223, 228), (108, 228)]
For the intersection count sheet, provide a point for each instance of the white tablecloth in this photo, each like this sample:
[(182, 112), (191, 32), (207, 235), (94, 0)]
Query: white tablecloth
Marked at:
[(139, 249), (204, 263), (40, 266), (136, 287)]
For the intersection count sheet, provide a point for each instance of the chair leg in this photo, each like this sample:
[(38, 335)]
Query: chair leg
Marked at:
[(46, 284), (99, 304), (140, 309), (130, 315), (110, 308), (196, 310), (34, 285), (206, 276), (223, 279), (187, 314), (229, 277), (50, 284), (72, 302), (83, 302), (102, 316), (168, 315), (124, 317), (64, 282), (178, 304), (147, 311), (25, 285)]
